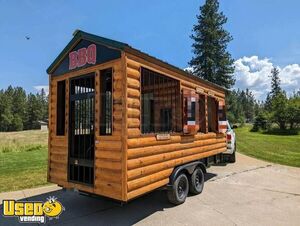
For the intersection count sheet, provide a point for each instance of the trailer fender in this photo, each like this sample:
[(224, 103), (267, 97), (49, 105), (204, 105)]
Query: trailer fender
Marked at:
[(187, 168)]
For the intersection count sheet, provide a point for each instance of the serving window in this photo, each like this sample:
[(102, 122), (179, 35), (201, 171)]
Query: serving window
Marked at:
[(190, 112), (160, 103), (202, 115), (212, 110)]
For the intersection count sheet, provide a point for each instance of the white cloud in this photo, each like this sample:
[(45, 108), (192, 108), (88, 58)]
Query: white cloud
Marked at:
[(189, 69), (253, 73), (39, 88)]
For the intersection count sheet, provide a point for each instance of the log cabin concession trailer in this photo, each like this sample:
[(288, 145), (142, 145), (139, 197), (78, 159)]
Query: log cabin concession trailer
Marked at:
[(123, 123)]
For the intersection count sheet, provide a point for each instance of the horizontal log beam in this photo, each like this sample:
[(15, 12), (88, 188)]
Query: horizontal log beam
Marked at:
[(109, 155), (144, 181), (147, 188), (147, 170), (133, 73), (133, 83), (133, 132), (158, 149), (151, 141), (153, 159), (135, 93)]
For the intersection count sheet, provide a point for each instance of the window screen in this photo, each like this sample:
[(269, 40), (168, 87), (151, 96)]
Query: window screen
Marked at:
[(106, 102), (161, 103), (60, 108)]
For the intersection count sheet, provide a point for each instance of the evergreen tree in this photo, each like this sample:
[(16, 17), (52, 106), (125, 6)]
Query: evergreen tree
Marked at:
[(19, 111), (275, 82), (9, 92), (279, 113), (211, 59), (275, 88), (249, 106), (234, 107), (6, 116), (43, 103), (293, 110)]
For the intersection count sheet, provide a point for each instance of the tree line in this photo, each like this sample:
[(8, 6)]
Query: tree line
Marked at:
[(213, 62), (241, 106), (278, 108), (22, 111)]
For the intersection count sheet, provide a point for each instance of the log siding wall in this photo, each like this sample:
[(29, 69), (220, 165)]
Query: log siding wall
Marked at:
[(128, 163), (151, 162), (108, 167)]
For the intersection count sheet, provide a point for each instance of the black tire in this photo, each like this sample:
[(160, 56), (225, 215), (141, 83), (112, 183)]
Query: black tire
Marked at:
[(179, 191), (232, 156), (196, 182)]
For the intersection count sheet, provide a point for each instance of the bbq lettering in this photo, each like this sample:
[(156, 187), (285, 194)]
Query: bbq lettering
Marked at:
[(82, 57)]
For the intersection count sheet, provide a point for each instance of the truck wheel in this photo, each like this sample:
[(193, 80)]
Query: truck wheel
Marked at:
[(196, 182), (179, 190), (232, 158)]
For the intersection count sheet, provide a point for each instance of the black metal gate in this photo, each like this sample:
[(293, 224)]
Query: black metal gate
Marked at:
[(81, 129)]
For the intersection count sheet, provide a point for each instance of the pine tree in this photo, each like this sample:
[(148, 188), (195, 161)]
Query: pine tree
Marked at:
[(234, 107), (6, 116), (249, 106), (279, 114), (43, 102), (18, 110), (275, 88), (275, 82), (211, 59)]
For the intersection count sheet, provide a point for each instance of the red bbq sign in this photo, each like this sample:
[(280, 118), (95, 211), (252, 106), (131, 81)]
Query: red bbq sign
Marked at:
[(82, 57)]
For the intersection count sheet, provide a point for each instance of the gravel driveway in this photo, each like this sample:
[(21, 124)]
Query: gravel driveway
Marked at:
[(249, 192)]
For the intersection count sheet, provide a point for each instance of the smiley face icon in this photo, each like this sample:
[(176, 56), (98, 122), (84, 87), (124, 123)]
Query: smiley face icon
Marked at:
[(52, 208)]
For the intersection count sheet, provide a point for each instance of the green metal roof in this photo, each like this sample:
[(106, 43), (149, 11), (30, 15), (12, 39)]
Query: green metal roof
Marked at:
[(79, 35)]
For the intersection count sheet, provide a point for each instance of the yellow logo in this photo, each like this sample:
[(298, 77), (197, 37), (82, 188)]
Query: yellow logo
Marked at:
[(33, 211)]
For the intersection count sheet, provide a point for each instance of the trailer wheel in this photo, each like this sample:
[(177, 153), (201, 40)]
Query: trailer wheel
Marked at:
[(179, 190), (196, 181)]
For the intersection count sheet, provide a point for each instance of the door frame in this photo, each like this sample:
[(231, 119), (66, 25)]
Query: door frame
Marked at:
[(71, 130)]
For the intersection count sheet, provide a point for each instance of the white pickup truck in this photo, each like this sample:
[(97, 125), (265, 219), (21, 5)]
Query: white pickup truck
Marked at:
[(229, 154)]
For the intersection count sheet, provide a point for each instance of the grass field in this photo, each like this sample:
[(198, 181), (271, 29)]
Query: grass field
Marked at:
[(23, 155), (282, 149), (23, 160)]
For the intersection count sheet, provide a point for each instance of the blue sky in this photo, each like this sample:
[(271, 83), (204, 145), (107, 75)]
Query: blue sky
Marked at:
[(266, 33)]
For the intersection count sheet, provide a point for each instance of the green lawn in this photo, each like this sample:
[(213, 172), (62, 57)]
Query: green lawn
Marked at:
[(273, 148), (23, 155), (23, 160)]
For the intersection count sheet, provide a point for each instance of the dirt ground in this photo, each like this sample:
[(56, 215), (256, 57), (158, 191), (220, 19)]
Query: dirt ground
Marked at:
[(249, 192)]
